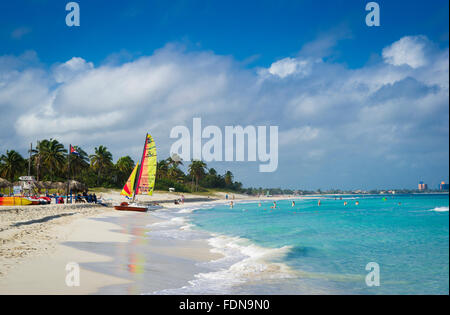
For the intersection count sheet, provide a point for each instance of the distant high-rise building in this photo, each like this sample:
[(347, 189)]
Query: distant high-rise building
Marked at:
[(443, 186), (423, 186)]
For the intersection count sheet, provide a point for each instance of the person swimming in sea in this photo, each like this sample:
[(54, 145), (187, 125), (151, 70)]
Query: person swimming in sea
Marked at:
[(259, 204), (293, 204), (345, 203), (357, 203), (231, 204), (318, 203), (274, 205)]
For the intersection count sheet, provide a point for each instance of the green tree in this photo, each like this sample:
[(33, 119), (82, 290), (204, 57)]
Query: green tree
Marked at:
[(212, 180), (101, 161), (173, 163), (11, 164), (175, 173), (162, 169), (51, 156), (197, 171), (228, 179), (125, 166), (78, 163)]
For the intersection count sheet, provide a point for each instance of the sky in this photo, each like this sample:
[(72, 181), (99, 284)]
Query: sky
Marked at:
[(357, 107)]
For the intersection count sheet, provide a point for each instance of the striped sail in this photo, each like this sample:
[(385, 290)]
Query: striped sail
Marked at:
[(147, 171), (128, 189)]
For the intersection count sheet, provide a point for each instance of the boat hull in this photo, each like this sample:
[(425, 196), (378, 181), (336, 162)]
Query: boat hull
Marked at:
[(14, 201), (130, 208)]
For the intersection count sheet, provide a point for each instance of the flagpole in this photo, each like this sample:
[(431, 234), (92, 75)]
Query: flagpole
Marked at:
[(68, 175), (29, 160)]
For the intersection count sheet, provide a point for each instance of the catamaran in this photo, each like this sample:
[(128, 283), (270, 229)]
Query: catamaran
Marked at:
[(142, 178)]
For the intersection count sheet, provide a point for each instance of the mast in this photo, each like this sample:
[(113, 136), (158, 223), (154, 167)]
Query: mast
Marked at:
[(136, 180), (68, 174), (29, 160)]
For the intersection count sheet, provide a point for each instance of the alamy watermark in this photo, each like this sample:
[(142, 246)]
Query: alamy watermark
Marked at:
[(373, 277), (73, 17), (373, 17), (228, 146), (73, 274)]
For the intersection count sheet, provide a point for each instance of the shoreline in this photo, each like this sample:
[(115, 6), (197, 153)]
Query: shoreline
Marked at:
[(39, 241), (157, 252)]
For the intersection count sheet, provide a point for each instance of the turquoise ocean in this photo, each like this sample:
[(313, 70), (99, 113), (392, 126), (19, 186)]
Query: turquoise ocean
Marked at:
[(311, 249)]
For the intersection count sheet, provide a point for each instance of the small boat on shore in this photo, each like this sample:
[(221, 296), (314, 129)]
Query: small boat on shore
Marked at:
[(15, 201), (125, 206), (142, 179)]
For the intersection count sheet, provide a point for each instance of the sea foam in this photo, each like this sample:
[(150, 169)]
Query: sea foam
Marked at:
[(440, 209), (242, 261)]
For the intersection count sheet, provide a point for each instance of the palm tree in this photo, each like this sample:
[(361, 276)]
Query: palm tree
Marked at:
[(36, 159), (173, 163), (101, 161), (212, 172), (162, 169), (11, 164), (228, 178), (51, 155), (125, 166), (197, 171), (78, 162), (175, 173)]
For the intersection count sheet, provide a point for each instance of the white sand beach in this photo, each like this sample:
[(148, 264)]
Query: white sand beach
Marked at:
[(37, 242)]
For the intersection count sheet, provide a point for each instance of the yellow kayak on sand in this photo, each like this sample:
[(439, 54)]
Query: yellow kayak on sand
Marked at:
[(14, 201)]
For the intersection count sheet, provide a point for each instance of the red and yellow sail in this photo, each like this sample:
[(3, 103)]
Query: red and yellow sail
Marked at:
[(147, 171), (142, 179), (128, 189)]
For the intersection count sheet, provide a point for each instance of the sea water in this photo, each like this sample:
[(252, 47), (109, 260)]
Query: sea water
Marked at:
[(312, 249)]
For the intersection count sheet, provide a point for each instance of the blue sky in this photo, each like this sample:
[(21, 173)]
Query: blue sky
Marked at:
[(261, 30), (222, 61)]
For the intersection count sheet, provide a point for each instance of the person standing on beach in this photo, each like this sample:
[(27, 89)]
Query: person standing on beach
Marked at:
[(182, 199)]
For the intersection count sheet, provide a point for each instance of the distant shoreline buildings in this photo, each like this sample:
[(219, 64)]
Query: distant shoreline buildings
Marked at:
[(423, 186), (442, 186)]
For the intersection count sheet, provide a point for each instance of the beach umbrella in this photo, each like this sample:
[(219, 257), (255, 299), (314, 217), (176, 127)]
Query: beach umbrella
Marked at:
[(4, 183), (76, 186), (39, 185), (59, 185), (47, 185)]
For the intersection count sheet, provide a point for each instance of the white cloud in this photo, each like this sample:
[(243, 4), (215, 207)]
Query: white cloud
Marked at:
[(71, 68), (298, 135), (409, 50), (324, 110), (288, 66)]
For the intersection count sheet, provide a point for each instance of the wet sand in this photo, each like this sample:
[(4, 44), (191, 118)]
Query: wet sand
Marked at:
[(111, 247)]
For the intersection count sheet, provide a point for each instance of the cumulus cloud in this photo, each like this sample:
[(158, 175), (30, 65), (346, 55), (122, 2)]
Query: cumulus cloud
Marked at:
[(409, 50), (332, 119), (287, 66), (71, 68)]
